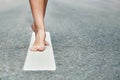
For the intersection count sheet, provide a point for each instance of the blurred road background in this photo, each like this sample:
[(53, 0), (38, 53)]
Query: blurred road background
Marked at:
[(85, 36)]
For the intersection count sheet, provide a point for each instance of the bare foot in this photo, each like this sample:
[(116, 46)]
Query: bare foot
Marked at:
[(40, 42), (34, 29)]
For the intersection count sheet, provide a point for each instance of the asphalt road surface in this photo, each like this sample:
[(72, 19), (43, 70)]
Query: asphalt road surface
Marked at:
[(85, 37)]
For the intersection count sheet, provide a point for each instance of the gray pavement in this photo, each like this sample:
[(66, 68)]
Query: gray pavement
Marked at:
[(85, 36)]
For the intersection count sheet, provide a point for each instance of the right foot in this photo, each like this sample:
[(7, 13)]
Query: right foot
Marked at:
[(40, 42), (34, 29)]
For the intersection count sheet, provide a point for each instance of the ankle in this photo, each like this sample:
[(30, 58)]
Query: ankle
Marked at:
[(40, 28), (40, 31)]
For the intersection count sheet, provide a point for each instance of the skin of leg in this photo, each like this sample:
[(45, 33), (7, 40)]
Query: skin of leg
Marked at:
[(33, 26), (45, 5), (38, 8), (46, 1)]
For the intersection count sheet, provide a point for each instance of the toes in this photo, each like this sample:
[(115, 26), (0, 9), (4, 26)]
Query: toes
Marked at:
[(41, 48), (37, 48), (46, 43), (33, 49)]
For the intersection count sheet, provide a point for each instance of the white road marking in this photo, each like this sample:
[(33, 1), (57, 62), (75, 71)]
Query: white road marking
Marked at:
[(40, 60)]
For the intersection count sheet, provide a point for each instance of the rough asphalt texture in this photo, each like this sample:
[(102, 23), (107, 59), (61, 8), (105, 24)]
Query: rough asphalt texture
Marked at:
[(85, 37)]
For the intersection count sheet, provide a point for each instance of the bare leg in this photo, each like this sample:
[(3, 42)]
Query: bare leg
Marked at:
[(38, 8), (46, 1)]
